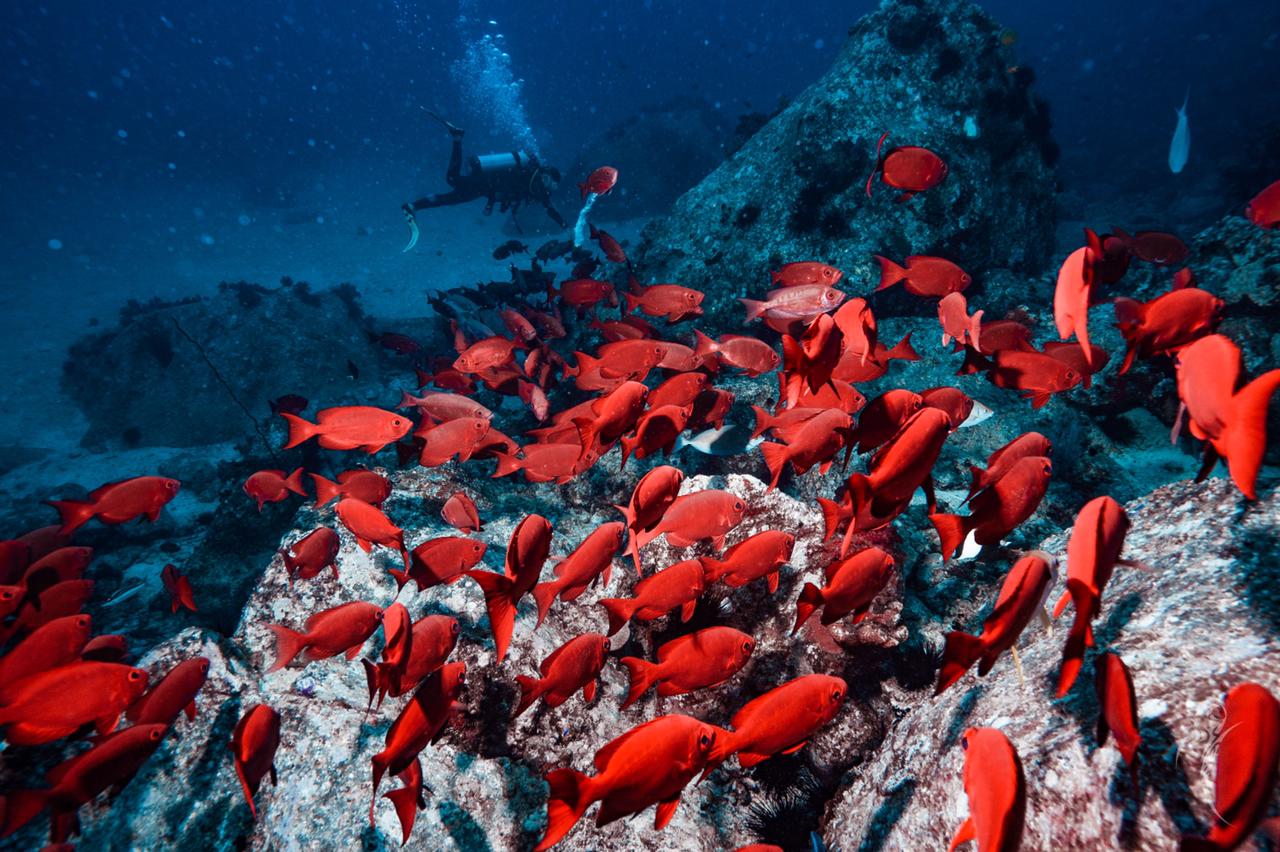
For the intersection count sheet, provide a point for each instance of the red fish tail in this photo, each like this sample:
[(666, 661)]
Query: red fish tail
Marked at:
[(289, 643), (544, 594), (754, 308), (405, 801), (951, 530), (567, 802), (704, 346), (299, 429), (531, 689), (879, 162), (764, 421), (20, 807), (890, 273), (632, 303), (903, 351), (74, 514), (643, 674), (975, 329), (407, 400), (501, 607), (1245, 438), (775, 458), (620, 611), (372, 677), (629, 444), (961, 652), (1079, 637), (507, 464), (830, 517), (401, 577), (809, 600), (294, 483), (326, 490), (380, 764), (713, 569)]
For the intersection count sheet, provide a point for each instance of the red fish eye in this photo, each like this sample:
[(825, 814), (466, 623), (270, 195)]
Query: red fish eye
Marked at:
[(964, 743), (155, 736), (738, 507), (965, 278), (746, 646), (704, 741), (454, 628), (135, 675), (836, 695), (1048, 469)]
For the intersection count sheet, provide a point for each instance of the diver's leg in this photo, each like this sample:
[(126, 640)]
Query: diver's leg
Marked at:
[(455, 162), (445, 199)]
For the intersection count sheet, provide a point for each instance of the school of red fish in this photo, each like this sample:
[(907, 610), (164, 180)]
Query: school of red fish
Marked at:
[(58, 680)]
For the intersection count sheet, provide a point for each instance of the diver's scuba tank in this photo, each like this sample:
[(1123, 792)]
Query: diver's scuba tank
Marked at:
[(495, 167)]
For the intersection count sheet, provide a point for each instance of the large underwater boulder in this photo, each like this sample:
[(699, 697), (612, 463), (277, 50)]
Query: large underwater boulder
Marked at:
[(931, 73), (1204, 617)]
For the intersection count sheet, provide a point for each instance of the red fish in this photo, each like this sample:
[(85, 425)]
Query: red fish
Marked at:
[(557, 463), (676, 587), (272, 486), (599, 182), (615, 330), (108, 648), (1151, 246), (1002, 460), (955, 402), (434, 638), (1037, 375), (1232, 422), (615, 415), (710, 409), (527, 550), (996, 788), (388, 674), (253, 748), (1248, 752), (816, 443), (55, 703), (1118, 708), (852, 586), (786, 422), (1093, 551), (1074, 292), (792, 304), (999, 510), (444, 406), (648, 765), (311, 554), (611, 248), (656, 430), (373, 488), (923, 276), (341, 629), (858, 330), (1081, 363), (536, 398), (708, 514), (81, 779), (173, 694), (1166, 324), (653, 495), (1022, 596), (781, 721), (179, 588), (409, 799), (118, 502), (671, 301), (1264, 209), (370, 526), (487, 354), (808, 363), (353, 427), (853, 368), (59, 566), (896, 470), (66, 598), (909, 168), (460, 512), (56, 643), (760, 556), (805, 273), (680, 390), (591, 559), (748, 354), (575, 665), (420, 723), (957, 324), (460, 438), (584, 293), (883, 417), (695, 661)]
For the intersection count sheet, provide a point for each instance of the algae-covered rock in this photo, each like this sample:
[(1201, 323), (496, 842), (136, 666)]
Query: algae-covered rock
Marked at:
[(1200, 619), (932, 73)]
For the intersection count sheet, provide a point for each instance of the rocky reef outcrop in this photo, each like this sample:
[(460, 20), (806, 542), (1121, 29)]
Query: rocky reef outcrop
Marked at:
[(1202, 616), (932, 73)]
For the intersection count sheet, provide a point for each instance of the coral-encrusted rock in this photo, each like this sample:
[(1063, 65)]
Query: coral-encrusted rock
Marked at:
[(931, 73), (1202, 619), (485, 775)]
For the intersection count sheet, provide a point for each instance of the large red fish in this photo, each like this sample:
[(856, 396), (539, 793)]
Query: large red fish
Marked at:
[(490, 353), (1073, 355), (1037, 375), (1074, 291), (370, 526), (558, 463), (599, 182), (708, 514), (444, 406), (173, 694), (908, 167), (805, 272), (434, 638), (679, 390), (179, 589), (759, 557), (118, 502), (676, 587), (611, 247), (1093, 551), (653, 495), (815, 443), (648, 765), (1264, 209), (656, 431), (461, 438), (781, 721), (957, 324), (1165, 324), (670, 301), (353, 427), (883, 417), (583, 293), (387, 675), (615, 415), (311, 554), (1232, 422), (1022, 596), (590, 560), (1117, 708), (575, 665), (273, 486), (852, 586), (751, 355), (342, 629), (955, 403), (998, 510), (54, 644), (527, 550), (1151, 246), (695, 661), (997, 792), (55, 703), (460, 512), (1002, 460), (924, 275), (420, 723), (809, 362), (855, 367), (373, 488), (1248, 754), (897, 469)]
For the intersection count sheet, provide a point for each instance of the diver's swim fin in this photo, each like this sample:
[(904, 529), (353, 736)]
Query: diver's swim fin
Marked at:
[(453, 129), (413, 230)]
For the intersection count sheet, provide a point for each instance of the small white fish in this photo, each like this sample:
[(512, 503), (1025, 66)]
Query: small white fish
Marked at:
[(979, 414), (124, 595), (1180, 147), (726, 441)]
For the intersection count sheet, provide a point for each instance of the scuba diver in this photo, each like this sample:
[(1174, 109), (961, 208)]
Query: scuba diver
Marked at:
[(508, 180)]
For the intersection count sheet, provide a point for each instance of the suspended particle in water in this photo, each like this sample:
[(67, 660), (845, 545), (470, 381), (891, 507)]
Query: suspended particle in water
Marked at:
[(55, 244)]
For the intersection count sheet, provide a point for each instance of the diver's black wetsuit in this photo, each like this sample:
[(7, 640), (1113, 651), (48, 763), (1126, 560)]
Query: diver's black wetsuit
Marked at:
[(509, 188)]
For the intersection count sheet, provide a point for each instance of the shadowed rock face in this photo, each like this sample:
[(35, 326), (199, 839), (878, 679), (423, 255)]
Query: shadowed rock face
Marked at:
[(795, 190), (1205, 617)]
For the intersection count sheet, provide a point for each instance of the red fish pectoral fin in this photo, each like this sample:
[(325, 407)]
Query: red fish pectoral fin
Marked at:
[(589, 691), (772, 581), (964, 834), (686, 611), (666, 810), (795, 748)]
